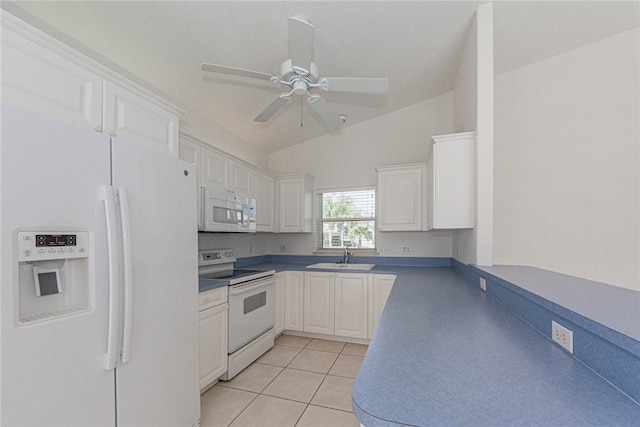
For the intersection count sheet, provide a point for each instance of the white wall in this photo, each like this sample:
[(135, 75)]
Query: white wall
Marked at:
[(473, 110), (349, 157), (207, 131), (567, 166)]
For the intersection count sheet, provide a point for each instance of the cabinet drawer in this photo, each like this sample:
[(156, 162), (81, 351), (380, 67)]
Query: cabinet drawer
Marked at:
[(213, 297)]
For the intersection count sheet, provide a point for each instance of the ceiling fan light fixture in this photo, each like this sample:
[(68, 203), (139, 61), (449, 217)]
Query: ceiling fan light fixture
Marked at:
[(300, 87), (300, 76)]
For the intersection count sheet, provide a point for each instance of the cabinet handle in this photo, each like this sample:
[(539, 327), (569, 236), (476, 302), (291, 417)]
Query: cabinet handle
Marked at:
[(112, 133), (98, 128)]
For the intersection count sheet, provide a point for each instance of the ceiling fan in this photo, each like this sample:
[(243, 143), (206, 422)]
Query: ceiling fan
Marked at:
[(301, 76)]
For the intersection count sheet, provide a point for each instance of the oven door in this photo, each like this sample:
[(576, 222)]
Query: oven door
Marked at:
[(251, 311)]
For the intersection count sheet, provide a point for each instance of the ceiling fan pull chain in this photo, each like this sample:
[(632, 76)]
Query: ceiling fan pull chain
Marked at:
[(301, 105)]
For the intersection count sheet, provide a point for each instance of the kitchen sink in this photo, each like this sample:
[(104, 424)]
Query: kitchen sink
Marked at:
[(337, 266)]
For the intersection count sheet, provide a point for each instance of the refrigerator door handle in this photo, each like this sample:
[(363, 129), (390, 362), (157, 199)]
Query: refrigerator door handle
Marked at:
[(127, 254), (111, 358)]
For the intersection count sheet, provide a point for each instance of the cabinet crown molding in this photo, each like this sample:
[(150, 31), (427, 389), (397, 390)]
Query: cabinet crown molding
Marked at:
[(454, 136), (74, 51)]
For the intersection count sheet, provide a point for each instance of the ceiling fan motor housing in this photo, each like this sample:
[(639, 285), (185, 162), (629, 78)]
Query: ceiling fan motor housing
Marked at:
[(289, 73)]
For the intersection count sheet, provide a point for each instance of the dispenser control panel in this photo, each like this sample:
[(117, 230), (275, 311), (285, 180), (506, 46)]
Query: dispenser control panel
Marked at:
[(41, 246)]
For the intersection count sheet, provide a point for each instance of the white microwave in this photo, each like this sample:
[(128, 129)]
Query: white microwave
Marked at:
[(224, 211)]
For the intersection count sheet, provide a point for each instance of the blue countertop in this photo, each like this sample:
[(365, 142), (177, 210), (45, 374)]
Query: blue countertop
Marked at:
[(208, 284), (445, 353)]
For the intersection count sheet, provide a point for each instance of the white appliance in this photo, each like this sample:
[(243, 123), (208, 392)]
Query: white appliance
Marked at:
[(99, 308), (251, 307), (226, 211)]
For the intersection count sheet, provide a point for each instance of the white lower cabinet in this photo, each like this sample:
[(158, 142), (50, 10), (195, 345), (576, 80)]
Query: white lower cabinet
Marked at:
[(280, 306), (213, 335), (293, 300), (351, 308), (379, 289), (346, 305), (319, 296)]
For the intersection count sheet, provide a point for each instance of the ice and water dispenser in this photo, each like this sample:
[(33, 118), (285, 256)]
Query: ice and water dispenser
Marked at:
[(53, 275)]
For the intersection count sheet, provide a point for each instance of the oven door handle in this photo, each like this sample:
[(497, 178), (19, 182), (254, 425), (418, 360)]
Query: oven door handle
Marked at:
[(242, 289)]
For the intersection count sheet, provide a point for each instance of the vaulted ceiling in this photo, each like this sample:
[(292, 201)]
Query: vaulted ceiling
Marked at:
[(415, 44)]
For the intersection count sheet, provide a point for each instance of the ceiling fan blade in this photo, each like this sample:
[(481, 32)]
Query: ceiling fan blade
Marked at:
[(355, 84), (300, 42), (236, 72), (271, 109), (326, 111)]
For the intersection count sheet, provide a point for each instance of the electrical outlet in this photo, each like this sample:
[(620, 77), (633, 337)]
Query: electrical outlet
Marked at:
[(562, 335), (406, 250), (283, 248), (483, 284)]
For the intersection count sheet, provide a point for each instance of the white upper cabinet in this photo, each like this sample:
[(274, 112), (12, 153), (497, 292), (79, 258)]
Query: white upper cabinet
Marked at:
[(241, 178), (221, 172), (295, 207), (215, 170), (450, 168), (131, 117), (400, 197), (265, 197), (39, 74)]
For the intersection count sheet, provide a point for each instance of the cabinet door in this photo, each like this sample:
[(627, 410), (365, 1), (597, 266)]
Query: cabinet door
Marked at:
[(319, 300), (213, 344), (192, 152), (131, 117), (39, 79), (450, 189), (265, 194), (280, 303), (296, 204), (241, 180), (351, 308), (400, 198), (294, 300), (379, 290), (215, 170)]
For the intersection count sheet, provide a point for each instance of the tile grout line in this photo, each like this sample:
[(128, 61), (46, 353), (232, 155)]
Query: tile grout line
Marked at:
[(325, 375)]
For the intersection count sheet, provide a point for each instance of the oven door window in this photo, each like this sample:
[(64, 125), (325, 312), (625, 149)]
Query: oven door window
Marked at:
[(254, 302)]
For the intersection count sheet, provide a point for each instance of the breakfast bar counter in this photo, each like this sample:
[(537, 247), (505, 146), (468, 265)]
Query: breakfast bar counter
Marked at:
[(446, 354)]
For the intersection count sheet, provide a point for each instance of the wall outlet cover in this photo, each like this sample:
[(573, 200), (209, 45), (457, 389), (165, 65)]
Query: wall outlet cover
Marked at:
[(562, 336), (483, 284)]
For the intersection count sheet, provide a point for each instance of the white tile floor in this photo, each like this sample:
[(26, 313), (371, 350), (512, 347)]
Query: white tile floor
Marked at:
[(299, 382)]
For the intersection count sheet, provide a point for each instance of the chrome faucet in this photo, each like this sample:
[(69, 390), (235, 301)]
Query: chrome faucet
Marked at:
[(347, 253)]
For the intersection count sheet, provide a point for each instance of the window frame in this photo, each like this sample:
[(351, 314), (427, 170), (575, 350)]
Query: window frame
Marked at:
[(320, 222)]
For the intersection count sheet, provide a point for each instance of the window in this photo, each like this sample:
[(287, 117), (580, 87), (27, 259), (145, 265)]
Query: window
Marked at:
[(347, 219)]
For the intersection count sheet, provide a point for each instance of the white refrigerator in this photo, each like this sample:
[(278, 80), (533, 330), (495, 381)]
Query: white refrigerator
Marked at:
[(99, 268)]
